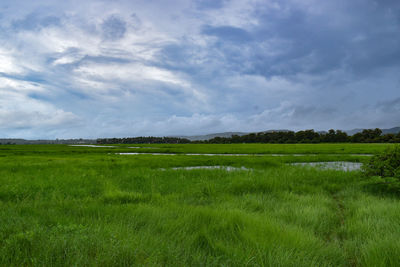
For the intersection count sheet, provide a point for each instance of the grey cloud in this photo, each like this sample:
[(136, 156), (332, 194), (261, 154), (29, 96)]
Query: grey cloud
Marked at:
[(390, 107), (114, 28), (35, 21), (228, 33), (312, 112), (293, 41), (388, 4), (104, 59), (136, 22), (210, 4)]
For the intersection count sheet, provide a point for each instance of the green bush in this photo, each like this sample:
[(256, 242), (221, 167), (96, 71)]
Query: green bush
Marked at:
[(385, 167), (386, 164)]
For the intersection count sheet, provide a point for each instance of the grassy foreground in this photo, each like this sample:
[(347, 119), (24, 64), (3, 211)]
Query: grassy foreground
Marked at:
[(74, 206)]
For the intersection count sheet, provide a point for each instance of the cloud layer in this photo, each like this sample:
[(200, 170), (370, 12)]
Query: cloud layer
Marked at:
[(102, 68)]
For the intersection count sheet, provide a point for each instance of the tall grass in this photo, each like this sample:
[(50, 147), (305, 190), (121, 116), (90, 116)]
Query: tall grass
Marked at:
[(332, 148), (60, 208)]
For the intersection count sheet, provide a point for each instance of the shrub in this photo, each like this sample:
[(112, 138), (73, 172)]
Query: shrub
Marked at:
[(385, 167), (386, 164)]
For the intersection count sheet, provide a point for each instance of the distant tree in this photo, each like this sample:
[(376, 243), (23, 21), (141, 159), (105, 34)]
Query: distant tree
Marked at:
[(357, 138), (341, 136), (371, 135)]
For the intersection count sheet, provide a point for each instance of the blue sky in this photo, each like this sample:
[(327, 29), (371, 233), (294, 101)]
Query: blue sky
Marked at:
[(123, 68)]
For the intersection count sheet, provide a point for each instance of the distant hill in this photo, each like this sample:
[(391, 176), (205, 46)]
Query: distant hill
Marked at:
[(393, 130), (211, 136), (224, 134), (45, 142), (354, 131)]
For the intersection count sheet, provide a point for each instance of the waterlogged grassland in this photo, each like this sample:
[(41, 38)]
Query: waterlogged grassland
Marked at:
[(63, 206), (268, 148), (200, 148)]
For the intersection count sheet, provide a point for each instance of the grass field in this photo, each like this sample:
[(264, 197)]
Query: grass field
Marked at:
[(80, 206)]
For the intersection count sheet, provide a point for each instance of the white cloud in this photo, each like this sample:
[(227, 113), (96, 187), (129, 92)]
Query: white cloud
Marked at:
[(7, 63), (129, 72), (105, 78), (19, 110), (67, 60), (7, 84)]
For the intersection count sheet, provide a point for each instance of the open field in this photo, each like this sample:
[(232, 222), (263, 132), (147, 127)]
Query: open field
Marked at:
[(84, 206)]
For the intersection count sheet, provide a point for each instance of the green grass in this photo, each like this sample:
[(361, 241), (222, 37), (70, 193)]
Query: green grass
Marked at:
[(269, 148), (344, 148), (75, 206)]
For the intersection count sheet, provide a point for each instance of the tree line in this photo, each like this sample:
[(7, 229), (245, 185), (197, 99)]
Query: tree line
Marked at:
[(277, 137), (309, 136)]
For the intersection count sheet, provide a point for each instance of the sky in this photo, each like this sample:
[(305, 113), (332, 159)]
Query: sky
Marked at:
[(124, 68)]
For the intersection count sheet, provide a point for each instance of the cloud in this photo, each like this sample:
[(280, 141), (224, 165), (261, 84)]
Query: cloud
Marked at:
[(19, 112), (228, 33), (123, 68), (129, 72), (210, 4), (113, 28), (7, 63), (35, 21)]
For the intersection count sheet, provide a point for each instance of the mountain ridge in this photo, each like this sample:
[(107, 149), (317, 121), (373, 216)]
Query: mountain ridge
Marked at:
[(393, 130)]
